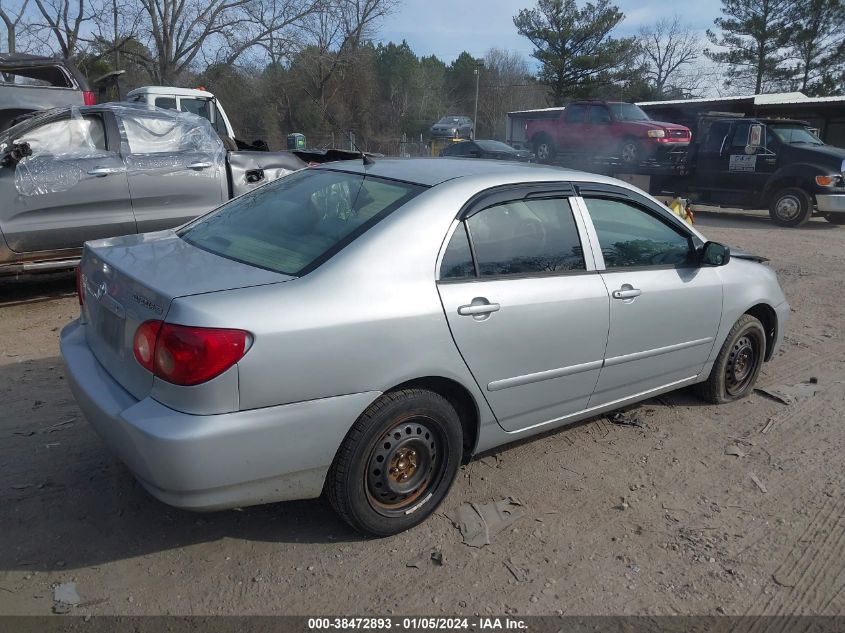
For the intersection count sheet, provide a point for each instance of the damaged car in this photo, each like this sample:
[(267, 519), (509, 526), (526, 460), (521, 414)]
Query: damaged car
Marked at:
[(84, 173), (361, 328)]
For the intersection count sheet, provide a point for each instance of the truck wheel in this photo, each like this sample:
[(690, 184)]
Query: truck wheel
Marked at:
[(545, 149), (630, 152), (835, 218), (397, 462), (791, 207)]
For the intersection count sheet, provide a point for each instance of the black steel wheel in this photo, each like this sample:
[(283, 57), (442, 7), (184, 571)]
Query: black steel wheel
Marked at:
[(397, 462), (738, 364)]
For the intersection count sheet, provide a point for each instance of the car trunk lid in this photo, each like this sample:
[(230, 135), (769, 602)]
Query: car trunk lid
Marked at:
[(132, 279)]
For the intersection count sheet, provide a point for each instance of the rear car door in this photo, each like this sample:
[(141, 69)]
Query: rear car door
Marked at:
[(72, 189), (665, 309), (525, 306), (176, 168)]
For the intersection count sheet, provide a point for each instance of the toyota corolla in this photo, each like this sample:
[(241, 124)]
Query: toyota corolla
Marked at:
[(360, 329)]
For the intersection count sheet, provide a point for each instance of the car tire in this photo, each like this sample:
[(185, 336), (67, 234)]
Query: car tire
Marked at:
[(397, 462), (738, 364), (630, 152), (791, 207), (835, 218), (544, 149)]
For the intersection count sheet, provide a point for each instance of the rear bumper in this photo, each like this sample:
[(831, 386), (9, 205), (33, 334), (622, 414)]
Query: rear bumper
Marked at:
[(830, 202), (207, 462)]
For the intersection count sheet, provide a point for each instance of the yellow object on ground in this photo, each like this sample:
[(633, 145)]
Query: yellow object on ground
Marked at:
[(682, 209)]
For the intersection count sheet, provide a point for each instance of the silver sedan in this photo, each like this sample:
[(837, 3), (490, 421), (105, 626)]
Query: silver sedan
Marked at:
[(361, 329)]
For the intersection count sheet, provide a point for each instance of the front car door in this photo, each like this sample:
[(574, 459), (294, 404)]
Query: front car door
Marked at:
[(176, 167), (571, 131), (73, 187), (525, 306), (665, 309), (599, 129)]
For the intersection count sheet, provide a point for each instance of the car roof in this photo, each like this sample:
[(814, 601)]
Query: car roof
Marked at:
[(433, 171), (170, 90)]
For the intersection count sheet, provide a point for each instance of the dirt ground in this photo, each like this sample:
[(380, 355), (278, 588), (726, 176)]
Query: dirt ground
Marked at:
[(695, 534)]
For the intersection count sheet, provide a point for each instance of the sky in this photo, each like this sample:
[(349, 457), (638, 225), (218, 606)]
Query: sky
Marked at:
[(447, 27)]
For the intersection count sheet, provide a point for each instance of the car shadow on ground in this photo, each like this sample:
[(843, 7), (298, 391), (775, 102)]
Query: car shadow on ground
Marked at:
[(66, 502), (29, 289)]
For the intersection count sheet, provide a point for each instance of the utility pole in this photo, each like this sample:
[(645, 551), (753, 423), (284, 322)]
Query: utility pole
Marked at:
[(479, 63)]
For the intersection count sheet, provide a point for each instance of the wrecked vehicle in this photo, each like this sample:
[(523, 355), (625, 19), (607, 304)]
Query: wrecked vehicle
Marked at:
[(85, 173), (31, 83), (362, 327)]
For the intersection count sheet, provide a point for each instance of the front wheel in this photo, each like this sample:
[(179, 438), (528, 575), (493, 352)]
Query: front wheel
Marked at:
[(397, 462), (835, 218), (630, 152), (738, 363), (791, 207)]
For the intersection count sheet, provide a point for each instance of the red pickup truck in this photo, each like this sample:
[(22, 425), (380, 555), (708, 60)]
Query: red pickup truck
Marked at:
[(607, 130)]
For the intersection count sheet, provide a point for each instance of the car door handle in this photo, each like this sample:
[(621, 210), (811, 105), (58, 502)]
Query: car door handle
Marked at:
[(478, 308), (199, 165), (627, 292), (104, 171)]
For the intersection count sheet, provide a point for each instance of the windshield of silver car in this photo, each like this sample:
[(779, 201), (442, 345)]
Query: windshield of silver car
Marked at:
[(296, 223)]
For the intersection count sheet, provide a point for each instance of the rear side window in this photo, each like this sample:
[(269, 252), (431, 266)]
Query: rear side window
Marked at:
[(516, 238), (632, 237), (293, 224), (168, 103)]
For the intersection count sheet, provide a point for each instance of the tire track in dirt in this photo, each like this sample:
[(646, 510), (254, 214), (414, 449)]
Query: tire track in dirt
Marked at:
[(810, 578)]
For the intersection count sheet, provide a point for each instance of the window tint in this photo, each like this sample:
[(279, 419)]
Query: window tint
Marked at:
[(291, 223), (533, 236), (457, 260), (599, 114), (75, 135), (574, 113), (195, 106), (716, 136), (740, 137), (168, 103), (629, 236)]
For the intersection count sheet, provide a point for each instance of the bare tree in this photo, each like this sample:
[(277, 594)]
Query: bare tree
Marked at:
[(178, 32), (505, 87), (669, 49), (12, 22), (63, 19), (336, 31)]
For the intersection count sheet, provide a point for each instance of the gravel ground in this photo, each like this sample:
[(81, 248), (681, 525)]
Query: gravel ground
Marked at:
[(656, 519)]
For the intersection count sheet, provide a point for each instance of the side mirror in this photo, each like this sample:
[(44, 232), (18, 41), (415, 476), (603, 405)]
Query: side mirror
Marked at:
[(714, 254), (15, 154), (755, 138)]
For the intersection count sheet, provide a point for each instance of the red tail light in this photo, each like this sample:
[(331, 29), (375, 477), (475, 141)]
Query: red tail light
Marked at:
[(185, 355), (88, 98), (80, 291)]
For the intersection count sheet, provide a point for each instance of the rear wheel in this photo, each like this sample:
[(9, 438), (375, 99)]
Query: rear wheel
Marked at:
[(397, 462), (738, 363), (835, 218), (791, 207), (545, 149)]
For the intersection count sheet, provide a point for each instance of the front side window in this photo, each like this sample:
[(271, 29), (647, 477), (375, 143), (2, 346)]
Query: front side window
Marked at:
[(599, 115), (74, 135), (574, 113), (526, 237), (195, 106), (631, 237), (628, 112), (291, 225)]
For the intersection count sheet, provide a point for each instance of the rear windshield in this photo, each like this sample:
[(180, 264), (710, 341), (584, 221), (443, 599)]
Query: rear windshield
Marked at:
[(292, 225)]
